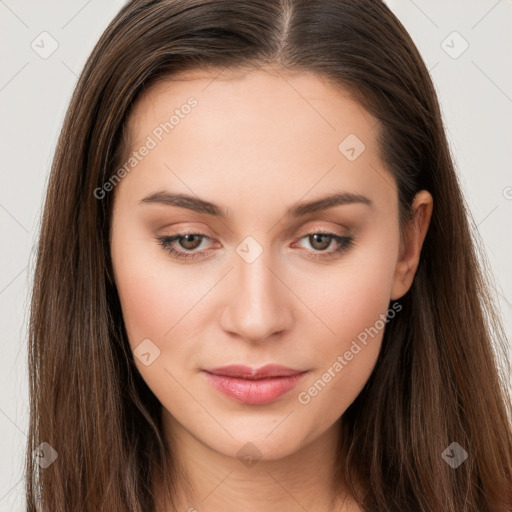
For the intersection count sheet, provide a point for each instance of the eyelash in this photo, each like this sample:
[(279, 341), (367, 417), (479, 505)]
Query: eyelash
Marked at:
[(344, 244)]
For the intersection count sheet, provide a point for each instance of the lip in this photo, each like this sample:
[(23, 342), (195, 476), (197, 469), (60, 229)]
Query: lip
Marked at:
[(254, 386), (246, 372)]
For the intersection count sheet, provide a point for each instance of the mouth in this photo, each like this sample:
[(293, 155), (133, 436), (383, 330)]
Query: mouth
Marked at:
[(254, 386)]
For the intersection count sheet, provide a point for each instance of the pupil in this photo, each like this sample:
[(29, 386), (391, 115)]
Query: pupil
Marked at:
[(189, 239), (318, 238)]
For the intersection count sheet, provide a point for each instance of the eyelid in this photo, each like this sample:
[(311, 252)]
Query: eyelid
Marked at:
[(342, 231), (343, 242), (324, 229)]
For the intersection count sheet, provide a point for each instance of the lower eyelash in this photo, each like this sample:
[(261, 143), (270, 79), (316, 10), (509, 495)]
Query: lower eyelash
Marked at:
[(344, 243)]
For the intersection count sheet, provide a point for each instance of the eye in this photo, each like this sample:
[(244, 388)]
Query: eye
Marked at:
[(189, 242), (321, 241), (185, 245)]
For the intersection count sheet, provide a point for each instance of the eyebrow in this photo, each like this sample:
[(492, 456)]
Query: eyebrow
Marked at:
[(298, 210)]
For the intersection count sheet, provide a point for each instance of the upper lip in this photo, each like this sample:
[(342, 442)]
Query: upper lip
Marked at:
[(246, 372)]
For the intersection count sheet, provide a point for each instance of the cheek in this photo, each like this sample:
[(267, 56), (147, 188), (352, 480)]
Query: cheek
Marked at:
[(157, 305), (144, 297), (354, 308), (354, 294), (154, 299)]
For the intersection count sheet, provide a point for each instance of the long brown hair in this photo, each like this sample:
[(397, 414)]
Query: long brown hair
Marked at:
[(440, 376)]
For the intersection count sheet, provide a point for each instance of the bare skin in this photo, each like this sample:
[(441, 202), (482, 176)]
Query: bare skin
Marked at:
[(256, 145)]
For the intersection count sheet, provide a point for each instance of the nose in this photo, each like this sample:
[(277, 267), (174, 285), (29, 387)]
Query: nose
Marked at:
[(259, 303)]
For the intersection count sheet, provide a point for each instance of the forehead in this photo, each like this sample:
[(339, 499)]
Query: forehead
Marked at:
[(256, 130), (236, 96)]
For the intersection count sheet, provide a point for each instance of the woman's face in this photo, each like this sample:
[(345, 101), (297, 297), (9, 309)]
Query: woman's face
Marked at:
[(257, 288)]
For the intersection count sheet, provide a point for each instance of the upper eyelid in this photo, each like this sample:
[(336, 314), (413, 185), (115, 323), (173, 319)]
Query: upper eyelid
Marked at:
[(181, 234), (341, 231), (178, 234)]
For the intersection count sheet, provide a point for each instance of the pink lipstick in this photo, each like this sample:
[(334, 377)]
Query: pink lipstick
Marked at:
[(253, 386)]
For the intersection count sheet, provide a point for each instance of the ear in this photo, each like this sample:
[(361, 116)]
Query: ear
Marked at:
[(410, 246)]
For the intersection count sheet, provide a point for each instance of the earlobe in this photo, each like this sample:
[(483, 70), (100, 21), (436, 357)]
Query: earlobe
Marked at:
[(410, 248)]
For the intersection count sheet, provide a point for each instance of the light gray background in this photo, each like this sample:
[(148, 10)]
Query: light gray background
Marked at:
[(475, 90)]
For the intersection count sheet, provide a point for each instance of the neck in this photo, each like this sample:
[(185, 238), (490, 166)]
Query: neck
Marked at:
[(300, 481)]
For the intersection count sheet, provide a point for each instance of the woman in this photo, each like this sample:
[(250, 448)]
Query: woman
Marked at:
[(256, 284)]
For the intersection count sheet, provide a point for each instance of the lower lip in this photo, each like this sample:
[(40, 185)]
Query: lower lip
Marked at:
[(254, 392)]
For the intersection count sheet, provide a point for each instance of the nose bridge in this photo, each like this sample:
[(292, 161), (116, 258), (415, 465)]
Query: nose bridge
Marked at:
[(257, 305)]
